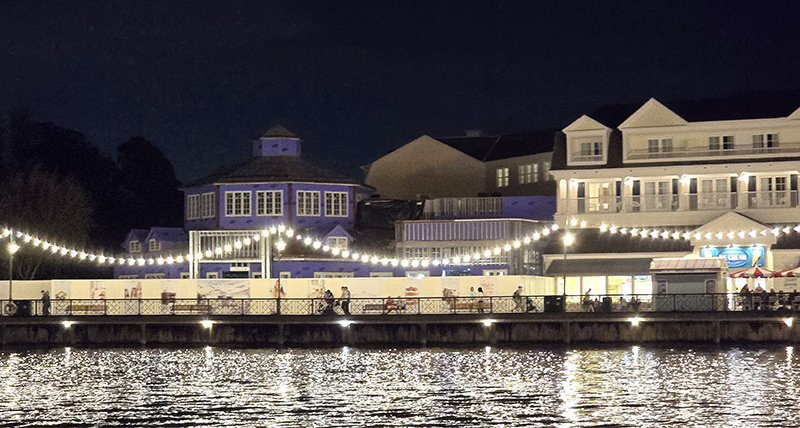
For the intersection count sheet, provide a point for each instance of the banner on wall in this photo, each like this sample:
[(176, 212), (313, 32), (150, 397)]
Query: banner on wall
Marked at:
[(737, 257), (223, 288), (450, 286), (62, 290), (316, 288), (97, 290), (132, 289)]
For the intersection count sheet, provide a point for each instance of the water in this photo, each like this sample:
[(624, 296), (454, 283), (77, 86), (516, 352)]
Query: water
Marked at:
[(631, 386)]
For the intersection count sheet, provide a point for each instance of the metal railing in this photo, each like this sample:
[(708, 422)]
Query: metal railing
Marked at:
[(704, 151), (410, 305)]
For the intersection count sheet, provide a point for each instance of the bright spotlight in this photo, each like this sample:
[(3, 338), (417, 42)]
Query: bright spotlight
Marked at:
[(488, 322), (345, 323), (789, 321), (635, 321), (207, 323), (67, 324)]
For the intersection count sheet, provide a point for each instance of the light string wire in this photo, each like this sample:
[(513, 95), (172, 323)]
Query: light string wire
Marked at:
[(281, 231)]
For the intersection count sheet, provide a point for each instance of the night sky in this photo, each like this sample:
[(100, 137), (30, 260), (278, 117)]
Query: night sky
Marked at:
[(358, 79)]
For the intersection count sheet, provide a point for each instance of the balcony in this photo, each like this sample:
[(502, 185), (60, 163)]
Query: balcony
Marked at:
[(704, 152), (654, 203), (771, 199), (712, 201), (582, 157), (463, 208), (599, 204)]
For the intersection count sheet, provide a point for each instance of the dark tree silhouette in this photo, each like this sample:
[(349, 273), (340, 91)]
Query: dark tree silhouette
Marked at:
[(148, 185)]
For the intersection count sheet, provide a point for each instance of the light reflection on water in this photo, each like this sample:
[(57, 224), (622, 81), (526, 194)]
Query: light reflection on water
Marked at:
[(632, 386)]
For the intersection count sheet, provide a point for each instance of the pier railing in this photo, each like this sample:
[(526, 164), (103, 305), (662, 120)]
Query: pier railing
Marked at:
[(409, 305)]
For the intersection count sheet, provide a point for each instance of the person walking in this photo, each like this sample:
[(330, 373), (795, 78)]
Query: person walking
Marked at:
[(45, 303), (345, 300)]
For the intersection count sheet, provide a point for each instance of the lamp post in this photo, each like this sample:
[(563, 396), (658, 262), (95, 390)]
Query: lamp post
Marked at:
[(568, 240), (280, 246), (12, 248)]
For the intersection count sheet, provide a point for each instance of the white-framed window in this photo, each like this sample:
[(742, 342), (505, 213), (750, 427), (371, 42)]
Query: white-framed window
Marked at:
[(417, 273), (285, 275), (724, 142), (761, 141), (155, 245), (269, 202), (307, 203), (240, 267), (502, 177), (256, 275), (132, 276), (212, 275), (155, 276), (185, 275), (495, 272), (663, 145), (714, 193), (333, 274), (207, 206), (237, 204), (339, 242), (134, 247), (336, 204), (192, 207), (380, 275), (535, 172), (546, 171), (592, 148), (773, 192)]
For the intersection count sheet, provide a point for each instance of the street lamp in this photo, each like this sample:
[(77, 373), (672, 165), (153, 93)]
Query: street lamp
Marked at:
[(12, 248), (280, 246), (568, 240)]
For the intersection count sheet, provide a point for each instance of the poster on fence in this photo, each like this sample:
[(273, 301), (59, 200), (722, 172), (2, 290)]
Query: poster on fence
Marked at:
[(224, 288), (62, 290), (97, 290), (316, 288)]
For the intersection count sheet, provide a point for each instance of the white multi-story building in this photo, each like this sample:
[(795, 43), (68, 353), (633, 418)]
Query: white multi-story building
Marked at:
[(720, 176)]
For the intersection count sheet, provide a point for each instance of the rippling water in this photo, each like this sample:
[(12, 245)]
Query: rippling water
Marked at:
[(400, 387)]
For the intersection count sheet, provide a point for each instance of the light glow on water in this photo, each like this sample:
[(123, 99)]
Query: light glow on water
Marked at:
[(491, 386)]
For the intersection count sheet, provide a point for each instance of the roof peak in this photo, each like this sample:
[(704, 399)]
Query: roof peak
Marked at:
[(279, 131)]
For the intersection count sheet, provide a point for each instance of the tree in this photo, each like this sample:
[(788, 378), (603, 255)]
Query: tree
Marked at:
[(55, 207), (148, 185)]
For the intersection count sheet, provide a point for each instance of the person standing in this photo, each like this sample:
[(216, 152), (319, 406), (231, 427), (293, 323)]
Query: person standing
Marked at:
[(518, 299), (480, 300), (45, 303), (345, 300)]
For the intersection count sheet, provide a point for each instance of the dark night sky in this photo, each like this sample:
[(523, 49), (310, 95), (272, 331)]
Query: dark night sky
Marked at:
[(358, 79)]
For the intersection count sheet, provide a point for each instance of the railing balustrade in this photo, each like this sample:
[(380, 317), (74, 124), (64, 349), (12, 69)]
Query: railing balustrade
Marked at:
[(410, 305)]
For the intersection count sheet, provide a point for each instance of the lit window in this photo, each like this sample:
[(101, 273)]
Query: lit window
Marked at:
[(269, 202), (308, 203), (502, 177), (134, 247), (546, 171), (237, 204), (154, 245), (526, 174), (593, 148), (761, 141), (336, 204)]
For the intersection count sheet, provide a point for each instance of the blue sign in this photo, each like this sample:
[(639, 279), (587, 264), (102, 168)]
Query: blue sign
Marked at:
[(737, 257)]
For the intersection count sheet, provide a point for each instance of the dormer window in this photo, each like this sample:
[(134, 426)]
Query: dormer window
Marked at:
[(502, 177), (761, 141), (724, 142), (154, 245), (663, 145), (593, 148), (134, 247), (339, 242)]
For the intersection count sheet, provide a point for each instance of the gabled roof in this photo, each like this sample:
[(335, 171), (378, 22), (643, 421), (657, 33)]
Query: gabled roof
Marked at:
[(653, 113), (504, 146), (274, 169), (761, 105), (339, 231), (136, 235), (168, 234)]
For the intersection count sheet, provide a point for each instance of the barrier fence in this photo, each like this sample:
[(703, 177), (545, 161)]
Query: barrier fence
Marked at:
[(409, 305)]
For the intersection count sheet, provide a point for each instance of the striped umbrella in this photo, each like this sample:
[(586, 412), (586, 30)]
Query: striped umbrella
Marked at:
[(754, 272), (788, 273)]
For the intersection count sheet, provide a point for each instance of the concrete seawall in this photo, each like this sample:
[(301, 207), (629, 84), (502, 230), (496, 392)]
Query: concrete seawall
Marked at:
[(421, 330)]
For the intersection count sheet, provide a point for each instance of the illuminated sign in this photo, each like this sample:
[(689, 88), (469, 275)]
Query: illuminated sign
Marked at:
[(737, 257)]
